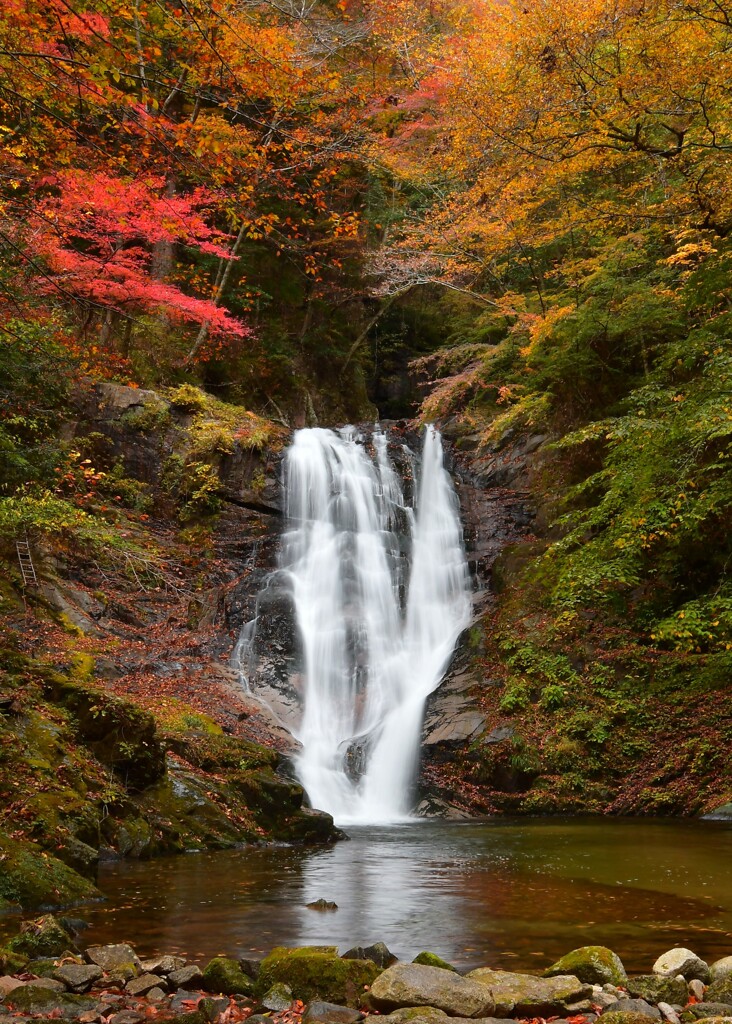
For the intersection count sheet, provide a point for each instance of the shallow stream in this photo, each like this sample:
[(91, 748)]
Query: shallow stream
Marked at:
[(510, 893)]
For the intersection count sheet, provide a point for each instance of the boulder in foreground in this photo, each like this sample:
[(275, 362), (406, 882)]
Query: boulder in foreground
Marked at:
[(420, 985)]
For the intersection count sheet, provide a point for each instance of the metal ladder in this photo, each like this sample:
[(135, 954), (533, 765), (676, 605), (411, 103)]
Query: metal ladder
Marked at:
[(25, 559)]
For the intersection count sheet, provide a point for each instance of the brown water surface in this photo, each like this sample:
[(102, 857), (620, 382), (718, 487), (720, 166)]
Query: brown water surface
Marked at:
[(514, 894)]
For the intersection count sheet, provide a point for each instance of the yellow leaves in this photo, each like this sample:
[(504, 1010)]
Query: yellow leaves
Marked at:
[(540, 327), (690, 254)]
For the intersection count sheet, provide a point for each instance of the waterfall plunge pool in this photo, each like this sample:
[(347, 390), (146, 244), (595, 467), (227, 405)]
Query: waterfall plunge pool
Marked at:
[(514, 894)]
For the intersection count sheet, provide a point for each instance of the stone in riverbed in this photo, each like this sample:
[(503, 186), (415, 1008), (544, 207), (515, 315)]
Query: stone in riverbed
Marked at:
[(78, 977), (522, 995), (432, 960), (624, 1017), (721, 969), (696, 988), (35, 998), (187, 977), (668, 1013), (322, 904), (635, 1006), (378, 953), (43, 937), (250, 966), (126, 1017), (330, 1013), (317, 972), (655, 989), (700, 1010), (7, 985), (681, 961), (163, 965), (278, 998), (409, 1013), (155, 995), (113, 958), (211, 1007), (720, 991), (226, 976), (419, 985), (595, 965), (144, 984)]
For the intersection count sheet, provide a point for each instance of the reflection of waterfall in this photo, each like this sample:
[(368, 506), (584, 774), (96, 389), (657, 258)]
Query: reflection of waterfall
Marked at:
[(379, 590)]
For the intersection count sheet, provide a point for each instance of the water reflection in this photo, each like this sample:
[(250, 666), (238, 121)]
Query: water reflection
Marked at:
[(511, 894)]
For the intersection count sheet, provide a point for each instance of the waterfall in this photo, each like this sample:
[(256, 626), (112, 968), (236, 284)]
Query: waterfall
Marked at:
[(380, 593)]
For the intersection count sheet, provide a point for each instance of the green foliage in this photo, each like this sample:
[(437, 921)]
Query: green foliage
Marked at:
[(195, 486), (44, 513), (36, 375)]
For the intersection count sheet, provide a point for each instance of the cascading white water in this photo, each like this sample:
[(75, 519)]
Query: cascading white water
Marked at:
[(381, 593)]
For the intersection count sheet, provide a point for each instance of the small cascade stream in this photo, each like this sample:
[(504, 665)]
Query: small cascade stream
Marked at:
[(380, 593)]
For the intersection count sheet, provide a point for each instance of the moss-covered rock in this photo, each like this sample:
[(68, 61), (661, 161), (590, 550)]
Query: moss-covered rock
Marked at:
[(719, 991), (44, 937), (625, 1017), (595, 965), (34, 880), (523, 995), (655, 989), (433, 960), (35, 999), (226, 976), (11, 962), (121, 735), (314, 972)]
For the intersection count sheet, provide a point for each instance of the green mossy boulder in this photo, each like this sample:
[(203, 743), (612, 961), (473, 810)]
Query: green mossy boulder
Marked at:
[(35, 999), (317, 972), (655, 989), (625, 1017), (719, 991), (35, 880), (226, 976), (41, 938), (121, 735), (595, 965), (433, 960), (11, 962)]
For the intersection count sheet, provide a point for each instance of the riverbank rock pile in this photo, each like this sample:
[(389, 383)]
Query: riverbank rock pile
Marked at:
[(42, 977)]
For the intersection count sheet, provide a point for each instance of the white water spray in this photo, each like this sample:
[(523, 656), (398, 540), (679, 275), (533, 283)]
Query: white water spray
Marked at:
[(381, 594)]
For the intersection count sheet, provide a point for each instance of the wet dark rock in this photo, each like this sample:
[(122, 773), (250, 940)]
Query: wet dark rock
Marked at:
[(250, 966), (186, 977), (144, 984), (380, 954), (636, 1006), (330, 1013), (78, 978), (708, 1009), (163, 965), (322, 904), (113, 957), (126, 1017), (499, 735), (656, 989)]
